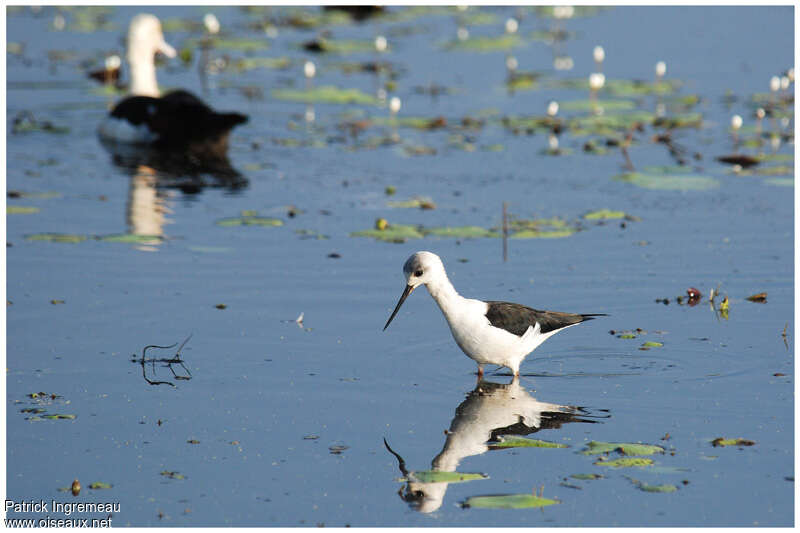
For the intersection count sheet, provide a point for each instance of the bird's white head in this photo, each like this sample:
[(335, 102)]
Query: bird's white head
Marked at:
[(423, 267), (420, 269), (146, 38)]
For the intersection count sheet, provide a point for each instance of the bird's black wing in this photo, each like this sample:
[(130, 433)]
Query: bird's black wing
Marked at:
[(517, 318)]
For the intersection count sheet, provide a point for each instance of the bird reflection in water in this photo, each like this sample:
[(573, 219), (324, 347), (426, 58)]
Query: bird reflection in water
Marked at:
[(154, 174), (489, 412)]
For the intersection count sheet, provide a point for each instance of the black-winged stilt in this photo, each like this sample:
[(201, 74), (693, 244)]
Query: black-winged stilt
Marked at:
[(497, 333)]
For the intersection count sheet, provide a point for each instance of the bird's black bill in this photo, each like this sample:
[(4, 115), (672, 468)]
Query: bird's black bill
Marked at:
[(406, 292)]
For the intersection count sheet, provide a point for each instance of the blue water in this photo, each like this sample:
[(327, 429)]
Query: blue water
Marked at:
[(262, 386)]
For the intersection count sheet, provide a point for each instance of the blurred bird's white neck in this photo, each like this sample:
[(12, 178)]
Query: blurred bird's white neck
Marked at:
[(143, 74)]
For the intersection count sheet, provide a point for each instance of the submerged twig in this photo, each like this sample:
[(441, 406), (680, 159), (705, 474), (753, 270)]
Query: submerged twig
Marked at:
[(623, 146), (176, 359), (505, 232)]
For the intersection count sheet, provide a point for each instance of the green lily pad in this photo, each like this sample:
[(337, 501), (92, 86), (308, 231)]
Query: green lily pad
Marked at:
[(542, 234), (232, 43), (773, 170), (686, 120), (45, 195), (172, 475), (398, 233), (522, 442), (666, 182), (326, 94), (609, 123), (100, 485), (626, 462), (731, 442), (436, 476), (476, 17), (604, 214), (487, 44), (508, 501), (625, 448), (420, 123), (522, 81), (56, 237), (652, 344), (668, 169), (532, 124), (587, 476), (665, 488), (590, 105), (131, 238), (776, 158), (461, 232), (418, 202), (252, 63), (345, 46), (249, 220), (638, 88), (21, 210)]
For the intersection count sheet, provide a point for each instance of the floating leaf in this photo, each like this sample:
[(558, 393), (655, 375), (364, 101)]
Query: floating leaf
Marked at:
[(591, 105), (131, 238), (586, 476), (508, 501), (665, 182), (537, 234), (394, 233), (461, 232), (251, 63), (21, 210), (172, 475), (625, 448), (420, 123), (604, 214), (100, 485), (720, 441), (652, 344), (249, 220), (41, 195), (56, 237), (230, 43), (326, 94), (437, 476), (341, 46), (420, 202), (668, 169), (522, 442), (59, 417), (626, 462), (487, 44), (641, 485), (761, 297)]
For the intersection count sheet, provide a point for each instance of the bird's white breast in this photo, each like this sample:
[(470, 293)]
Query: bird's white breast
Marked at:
[(122, 131)]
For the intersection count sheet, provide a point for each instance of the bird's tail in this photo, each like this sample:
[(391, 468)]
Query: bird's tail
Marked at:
[(223, 122)]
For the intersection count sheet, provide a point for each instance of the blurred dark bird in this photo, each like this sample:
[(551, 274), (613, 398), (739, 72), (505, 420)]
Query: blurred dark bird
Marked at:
[(175, 122)]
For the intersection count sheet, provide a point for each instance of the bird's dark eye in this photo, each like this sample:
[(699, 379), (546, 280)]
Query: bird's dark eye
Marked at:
[(418, 273)]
